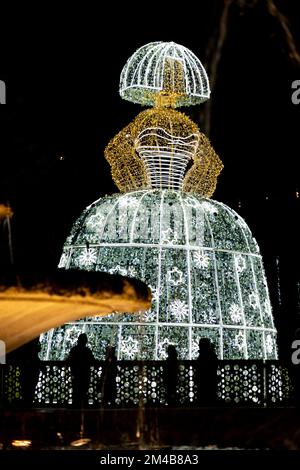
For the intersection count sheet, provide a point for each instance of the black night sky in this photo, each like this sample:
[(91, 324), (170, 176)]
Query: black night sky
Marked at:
[(63, 107)]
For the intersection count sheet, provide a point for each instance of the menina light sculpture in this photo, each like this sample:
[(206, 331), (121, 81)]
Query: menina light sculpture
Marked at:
[(197, 255)]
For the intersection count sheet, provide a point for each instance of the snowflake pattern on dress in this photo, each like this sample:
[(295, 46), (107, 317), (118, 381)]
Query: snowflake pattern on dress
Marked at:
[(162, 348), (175, 276), (72, 334), (254, 300), (96, 221), (195, 348), (118, 270), (236, 313), (179, 310), (129, 347), (210, 317), (239, 341), (149, 316), (240, 263), (169, 237), (201, 259), (88, 257)]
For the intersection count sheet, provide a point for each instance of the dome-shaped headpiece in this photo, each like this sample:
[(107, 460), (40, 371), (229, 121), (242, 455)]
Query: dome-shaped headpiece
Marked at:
[(164, 70)]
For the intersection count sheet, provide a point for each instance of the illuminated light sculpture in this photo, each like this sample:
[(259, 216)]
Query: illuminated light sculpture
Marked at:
[(197, 255)]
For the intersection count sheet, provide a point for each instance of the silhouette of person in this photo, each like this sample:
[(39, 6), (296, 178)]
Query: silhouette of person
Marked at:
[(171, 374), (108, 377), (206, 370), (80, 359)]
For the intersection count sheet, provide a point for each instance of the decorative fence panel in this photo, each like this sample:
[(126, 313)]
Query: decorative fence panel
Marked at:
[(239, 383)]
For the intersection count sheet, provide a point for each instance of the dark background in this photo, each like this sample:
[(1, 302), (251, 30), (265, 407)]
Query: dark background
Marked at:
[(62, 77)]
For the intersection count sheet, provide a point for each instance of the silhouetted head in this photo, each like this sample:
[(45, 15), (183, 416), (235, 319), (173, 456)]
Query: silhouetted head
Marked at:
[(205, 345), (82, 340), (171, 350)]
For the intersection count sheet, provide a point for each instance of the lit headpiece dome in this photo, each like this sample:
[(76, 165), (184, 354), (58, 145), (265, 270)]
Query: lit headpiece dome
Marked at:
[(164, 68)]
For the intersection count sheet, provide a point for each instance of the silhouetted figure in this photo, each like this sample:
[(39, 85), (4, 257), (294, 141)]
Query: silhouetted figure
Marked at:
[(171, 375), (108, 384), (207, 364), (80, 358)]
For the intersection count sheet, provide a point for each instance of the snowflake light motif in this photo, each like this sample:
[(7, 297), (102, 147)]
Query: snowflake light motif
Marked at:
[(130, 347), (131, 272), (88, 257), (118, 270), (240, 263), (72, 334), (169, 237), (201, 292), (254, 300), (269, 344), (235, 313), (195, 348), (162, 348), (155, 293), (179, 310), (175, 276), (239, 341), (95, 221), (210, 317), (149, 316), (201, 260)]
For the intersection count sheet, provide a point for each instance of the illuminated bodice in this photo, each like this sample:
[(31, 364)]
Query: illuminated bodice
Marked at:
[(165, 156)]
